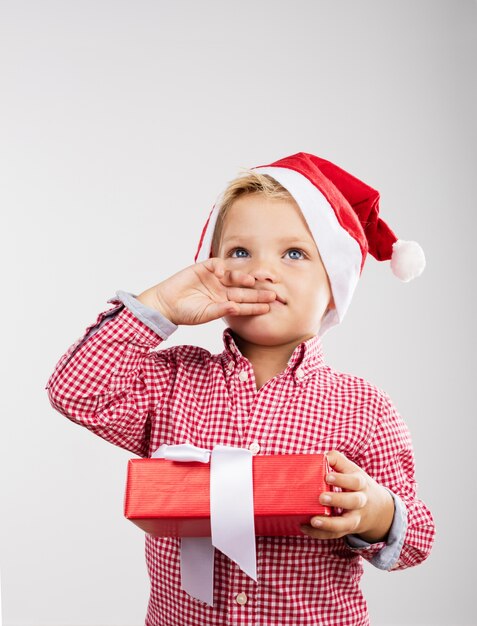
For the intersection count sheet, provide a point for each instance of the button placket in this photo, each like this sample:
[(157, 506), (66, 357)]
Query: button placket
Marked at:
[(241, 601), (262, 413), (242, 400)]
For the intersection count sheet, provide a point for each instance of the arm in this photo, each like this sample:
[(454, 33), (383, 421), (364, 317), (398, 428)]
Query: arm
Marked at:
[(107, 381), (389, 459), (383, 519), (110, 382)]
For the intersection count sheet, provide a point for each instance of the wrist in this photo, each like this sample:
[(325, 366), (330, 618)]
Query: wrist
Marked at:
[(383, 520), (153, 299)]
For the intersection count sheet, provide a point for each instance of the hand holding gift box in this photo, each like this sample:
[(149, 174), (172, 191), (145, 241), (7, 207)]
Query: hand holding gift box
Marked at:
[(231, 500)]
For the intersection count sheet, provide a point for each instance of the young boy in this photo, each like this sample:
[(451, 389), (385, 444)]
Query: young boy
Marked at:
[(278, 260)]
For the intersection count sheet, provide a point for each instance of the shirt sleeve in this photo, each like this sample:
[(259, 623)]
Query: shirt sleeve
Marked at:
[(386, 554), (150, 317), (112, 379), (389, 459)]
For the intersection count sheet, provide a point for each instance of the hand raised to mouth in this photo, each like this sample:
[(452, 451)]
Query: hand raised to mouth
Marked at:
[(206, 291)]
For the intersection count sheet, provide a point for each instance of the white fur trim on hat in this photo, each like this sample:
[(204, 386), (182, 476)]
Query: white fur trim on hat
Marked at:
[(340, 253)]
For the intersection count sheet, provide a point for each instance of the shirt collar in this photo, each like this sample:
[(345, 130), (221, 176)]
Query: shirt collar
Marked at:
[(304, 360)]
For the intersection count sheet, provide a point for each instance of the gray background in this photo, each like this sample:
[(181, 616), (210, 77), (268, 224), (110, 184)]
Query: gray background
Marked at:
[(120, 123)]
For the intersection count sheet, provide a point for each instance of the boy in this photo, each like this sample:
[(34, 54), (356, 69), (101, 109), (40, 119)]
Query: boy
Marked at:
[(278, 260)]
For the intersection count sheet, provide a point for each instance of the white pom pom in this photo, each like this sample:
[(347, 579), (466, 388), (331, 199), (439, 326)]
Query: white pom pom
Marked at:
[(408, 260)]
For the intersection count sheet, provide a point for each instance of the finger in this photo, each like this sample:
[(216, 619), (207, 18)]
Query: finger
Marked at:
[(338, 526), (249, 308), (233, 278), (241, 295), (340, 463), (306, 529), (345, 524), (221, 309), (228, 278), (214, 265), (244, 293), (345, 500), (320, 534), (351, 482)]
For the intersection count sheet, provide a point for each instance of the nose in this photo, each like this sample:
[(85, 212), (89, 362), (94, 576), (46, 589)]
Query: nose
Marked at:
[(262, 273)]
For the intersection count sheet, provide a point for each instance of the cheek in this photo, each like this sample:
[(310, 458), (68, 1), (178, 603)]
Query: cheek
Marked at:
[(316, 297)]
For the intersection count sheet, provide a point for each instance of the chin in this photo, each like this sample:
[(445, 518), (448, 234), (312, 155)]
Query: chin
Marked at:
[(254, 330)]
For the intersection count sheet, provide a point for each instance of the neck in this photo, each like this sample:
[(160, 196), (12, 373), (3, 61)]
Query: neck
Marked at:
[(267, 361)]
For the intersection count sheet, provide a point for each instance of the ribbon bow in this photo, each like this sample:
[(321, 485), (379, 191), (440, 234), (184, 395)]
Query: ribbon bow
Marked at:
[(231, 516)]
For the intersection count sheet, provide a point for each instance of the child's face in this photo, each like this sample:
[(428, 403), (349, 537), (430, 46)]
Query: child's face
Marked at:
[(271, 240)]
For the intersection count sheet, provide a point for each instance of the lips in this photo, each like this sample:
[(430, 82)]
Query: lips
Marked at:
[(277, 299)]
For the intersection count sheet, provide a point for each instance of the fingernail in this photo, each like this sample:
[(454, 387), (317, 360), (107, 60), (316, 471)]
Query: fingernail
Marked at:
[(330, 478), (325, 499), (317, 523)]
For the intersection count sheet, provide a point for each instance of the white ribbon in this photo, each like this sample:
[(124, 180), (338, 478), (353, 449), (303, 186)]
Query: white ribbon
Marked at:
[(231, 516)]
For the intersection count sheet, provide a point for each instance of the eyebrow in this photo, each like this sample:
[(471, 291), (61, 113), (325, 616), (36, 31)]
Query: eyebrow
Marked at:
[(280, 240)]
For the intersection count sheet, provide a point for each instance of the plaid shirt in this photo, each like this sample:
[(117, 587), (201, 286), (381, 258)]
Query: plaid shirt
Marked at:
[(115, 382)]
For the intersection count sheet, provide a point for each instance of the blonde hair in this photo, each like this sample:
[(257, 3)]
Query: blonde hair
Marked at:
[(249, 182)]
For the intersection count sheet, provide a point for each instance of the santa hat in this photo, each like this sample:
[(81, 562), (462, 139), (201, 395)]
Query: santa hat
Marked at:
[(342, 213)]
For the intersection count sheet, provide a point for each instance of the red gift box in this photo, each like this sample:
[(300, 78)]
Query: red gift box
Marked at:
[(172, 499)]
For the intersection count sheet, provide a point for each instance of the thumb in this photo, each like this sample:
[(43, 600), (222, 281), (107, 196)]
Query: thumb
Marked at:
[(340, 463), (221, 309)]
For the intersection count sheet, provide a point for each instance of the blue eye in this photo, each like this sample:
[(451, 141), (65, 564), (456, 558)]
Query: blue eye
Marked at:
[(238, 250), (295, 250)]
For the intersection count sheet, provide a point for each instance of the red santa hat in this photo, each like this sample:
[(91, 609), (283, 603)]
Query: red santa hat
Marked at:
[(342, 213)]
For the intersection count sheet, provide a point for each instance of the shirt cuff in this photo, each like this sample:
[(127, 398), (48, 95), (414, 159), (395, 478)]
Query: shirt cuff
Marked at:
[(148, 316), (388, 556)]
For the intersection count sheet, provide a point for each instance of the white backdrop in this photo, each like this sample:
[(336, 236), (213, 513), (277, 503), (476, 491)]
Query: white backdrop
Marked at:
[(120, 123)]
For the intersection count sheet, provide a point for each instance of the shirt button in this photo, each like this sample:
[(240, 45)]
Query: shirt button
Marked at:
[(230, 366), (241, 598), (254, 447), (300, 373), (243, 375)]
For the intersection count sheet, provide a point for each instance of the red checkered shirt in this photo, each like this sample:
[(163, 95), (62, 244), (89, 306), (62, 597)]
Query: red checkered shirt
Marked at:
[(115, 382)]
